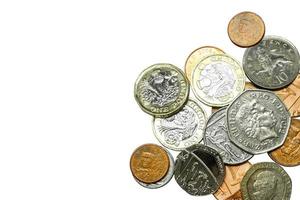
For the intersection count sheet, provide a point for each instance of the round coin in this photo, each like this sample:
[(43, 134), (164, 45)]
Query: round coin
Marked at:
[(216, 136), (199, 170), (161, 90), (246, 29), (266, 180), (182, 129), (257, 121), (217, 80), (272, 64)]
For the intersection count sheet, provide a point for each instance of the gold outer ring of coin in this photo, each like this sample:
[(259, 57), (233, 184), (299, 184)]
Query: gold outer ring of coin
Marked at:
[(149, 163), (246, 29)]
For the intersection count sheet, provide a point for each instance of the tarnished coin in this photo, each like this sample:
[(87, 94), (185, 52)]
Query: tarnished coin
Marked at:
[(289, 153), (217, 80), (246, 29), (161, 90), (231, 185), (183, 129), (216, 136), (257, 121), (272, 64), (199, 170), (196, 56), (266, 181)]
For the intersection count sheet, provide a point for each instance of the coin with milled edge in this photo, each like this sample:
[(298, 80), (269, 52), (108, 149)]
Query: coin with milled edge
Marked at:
[(257, 121), (217, 80), (182, 129), (161, 90), (272, 64), (266, 180), (199, 170), (216, 136), (196, 56)]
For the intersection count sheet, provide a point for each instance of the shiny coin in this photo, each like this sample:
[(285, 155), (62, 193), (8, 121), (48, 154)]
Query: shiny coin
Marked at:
[(217, 80), (183, 129), (199, 170), (289, 153), (257, 121), (161, 90), (266, 180), (216, 136), (246, 29), (272, 64)]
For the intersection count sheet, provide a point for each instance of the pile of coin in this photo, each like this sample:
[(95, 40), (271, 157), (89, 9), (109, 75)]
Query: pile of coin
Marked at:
[(249, 118)]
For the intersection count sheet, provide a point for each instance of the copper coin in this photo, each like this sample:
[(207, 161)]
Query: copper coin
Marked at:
[(233, 177), (236, 196), (149, 163), (246, 29), (249, 86), (289, 153)]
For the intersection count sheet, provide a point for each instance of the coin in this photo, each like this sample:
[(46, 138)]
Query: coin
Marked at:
[(246, 29), (289, 153), (161, 90), (216, 137), (199, 170), (196, 56), (183, 129), (217, 80), (236, 196), (231, 185), (250, 86), (266, 180), (257, 121), (272, 64)]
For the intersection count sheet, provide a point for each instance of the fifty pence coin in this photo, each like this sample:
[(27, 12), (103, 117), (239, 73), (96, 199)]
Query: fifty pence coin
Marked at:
[(199, 170), (217, 80), (272, 64), (161, 90), (216, 136), (182, 129), (257, 121), (266, 180)]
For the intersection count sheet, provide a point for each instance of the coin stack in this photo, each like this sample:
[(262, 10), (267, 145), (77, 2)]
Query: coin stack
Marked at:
[(250, 117)]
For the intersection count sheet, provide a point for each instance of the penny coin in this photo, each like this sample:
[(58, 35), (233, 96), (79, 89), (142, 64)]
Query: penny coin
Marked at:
[(183, 129), (217, 80), (289, 153), (196, 56), (266, 180), (161, 90), (246, 29), (250, 86), (257, 121), (199, 170), (216, 137), (236, 196), (272, 64), (231, 185)]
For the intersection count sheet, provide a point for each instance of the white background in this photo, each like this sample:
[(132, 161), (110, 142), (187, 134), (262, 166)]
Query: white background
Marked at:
[(68, 118)]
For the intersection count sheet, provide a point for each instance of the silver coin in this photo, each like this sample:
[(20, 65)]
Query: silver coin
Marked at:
[(183, 129), (216, 136), (257, 121), (272, 64)]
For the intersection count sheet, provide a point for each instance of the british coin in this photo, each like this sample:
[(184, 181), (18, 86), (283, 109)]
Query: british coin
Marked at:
[(236, 196), (266, 180), (246, 29), (272, 64), (257, 121), (217, 80), (182, 129), (196, 56), (289, 153), (231, 185), (250, 86), (199, 170), (161, 90), (216, 137)]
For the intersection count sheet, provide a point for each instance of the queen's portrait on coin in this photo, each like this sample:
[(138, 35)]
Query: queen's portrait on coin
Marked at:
[(265, 186)]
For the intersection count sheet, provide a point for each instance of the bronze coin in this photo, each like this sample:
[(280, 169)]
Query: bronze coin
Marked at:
[(149, 163), (246, 29), (289, 153), (249, 86)]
